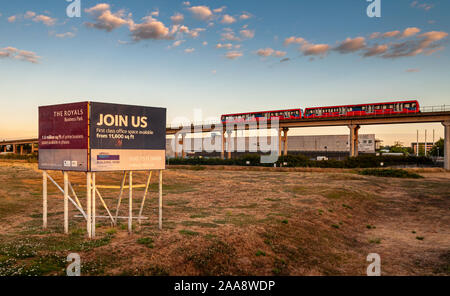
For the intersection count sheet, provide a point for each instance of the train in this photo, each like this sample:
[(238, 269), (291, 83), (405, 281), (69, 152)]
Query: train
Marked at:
[(399, 107)]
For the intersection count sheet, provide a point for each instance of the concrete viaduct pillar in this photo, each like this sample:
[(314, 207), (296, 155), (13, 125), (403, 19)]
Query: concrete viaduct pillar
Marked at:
[(446, 125), (183, 151), (285, 140), (229, 143), (176, 145), (353, 139), (222, 152)]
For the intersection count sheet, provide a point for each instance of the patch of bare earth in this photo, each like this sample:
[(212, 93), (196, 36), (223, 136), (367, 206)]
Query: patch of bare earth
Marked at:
[(249, 221)]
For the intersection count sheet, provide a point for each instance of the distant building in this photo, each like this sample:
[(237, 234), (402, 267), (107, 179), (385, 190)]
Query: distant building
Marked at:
[(421, 146), (333, 146)]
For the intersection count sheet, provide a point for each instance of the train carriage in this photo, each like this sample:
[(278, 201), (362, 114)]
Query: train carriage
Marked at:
[(363, 109), (282, 115)]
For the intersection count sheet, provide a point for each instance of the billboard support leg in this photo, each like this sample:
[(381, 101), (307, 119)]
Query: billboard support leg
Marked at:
[(93, 205), (160, 199), (145, 195), (89, 207), (120, 196), (44, 199), (104, 205), (66, 202), (130, 202)]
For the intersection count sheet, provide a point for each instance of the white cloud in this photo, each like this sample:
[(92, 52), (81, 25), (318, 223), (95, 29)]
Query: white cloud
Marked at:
[(351, 45), (65, 35), (219, 10), (227, 19), (201, 12), (266, 52), (150, 29), (293, 39), (226, 45), (17, 54), (230, 36), (177, 18), (12, 18), (245, 16), (48, 21), (105, 19), (309, 49), (246, 33), (189, 50), (233, 55)]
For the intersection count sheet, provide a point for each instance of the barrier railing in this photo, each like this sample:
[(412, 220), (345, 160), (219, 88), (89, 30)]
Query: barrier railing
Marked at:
[(424, 109)]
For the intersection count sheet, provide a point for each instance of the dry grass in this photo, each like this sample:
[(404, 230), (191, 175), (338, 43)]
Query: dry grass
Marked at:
[(229, 221)]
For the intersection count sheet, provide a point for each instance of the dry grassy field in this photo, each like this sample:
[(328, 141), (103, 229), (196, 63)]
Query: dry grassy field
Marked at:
[(236, 221)]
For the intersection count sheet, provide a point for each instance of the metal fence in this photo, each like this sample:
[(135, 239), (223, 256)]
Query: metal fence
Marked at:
[(423, 109)]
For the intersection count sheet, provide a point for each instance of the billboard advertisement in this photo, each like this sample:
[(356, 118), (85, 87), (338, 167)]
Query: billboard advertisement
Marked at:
[(124, 137), (63, 137), (91, 136)]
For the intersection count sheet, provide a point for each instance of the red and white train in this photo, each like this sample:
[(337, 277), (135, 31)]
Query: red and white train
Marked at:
[(400, 107)]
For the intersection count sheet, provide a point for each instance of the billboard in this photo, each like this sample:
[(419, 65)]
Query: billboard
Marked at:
[(101, 137)]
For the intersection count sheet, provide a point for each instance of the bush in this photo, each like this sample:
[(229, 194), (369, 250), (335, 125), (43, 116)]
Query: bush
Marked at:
[(362, 161), (394, 173)]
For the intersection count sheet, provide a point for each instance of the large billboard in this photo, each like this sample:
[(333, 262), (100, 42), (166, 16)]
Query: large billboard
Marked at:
[(94, 136)]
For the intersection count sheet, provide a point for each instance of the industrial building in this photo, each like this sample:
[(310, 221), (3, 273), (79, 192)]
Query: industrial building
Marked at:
[(331, 146)]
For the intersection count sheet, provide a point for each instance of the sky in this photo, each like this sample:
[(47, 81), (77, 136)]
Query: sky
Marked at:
[(223, 57)]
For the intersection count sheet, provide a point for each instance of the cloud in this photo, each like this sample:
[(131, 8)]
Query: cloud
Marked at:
[(409, 32), (375, 50), (201, 12), (424, 6), (204, 43), (12, 18), (219, 10), (189, 50), (391, 34), (227, 19), (48, 21), (65, 35), (105, 19), (285, 60), (229, 35), (187, 3), (245, 16), (155, 13), (375, 35), (309, 49), (292, 39), (213, 72), (17, 54), (246, 33), (194, 33), (265, 52), (177, 18), (176, 43), (150, 29), (412, 70), (226, 45), (425, 43), (233, 55), (351, 45), (29, 14)]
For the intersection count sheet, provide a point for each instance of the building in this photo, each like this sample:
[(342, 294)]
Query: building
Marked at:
[(333, 146), (422, 147)]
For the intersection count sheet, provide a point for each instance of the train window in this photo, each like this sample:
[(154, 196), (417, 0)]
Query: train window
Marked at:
[(384, 106), (413, 105), (407, 105), (377, 107)]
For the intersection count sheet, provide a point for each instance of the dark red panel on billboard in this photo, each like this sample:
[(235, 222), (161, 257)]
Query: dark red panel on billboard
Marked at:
[(63, 126)]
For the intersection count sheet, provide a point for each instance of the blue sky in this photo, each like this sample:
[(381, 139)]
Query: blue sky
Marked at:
[(126, 52)]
